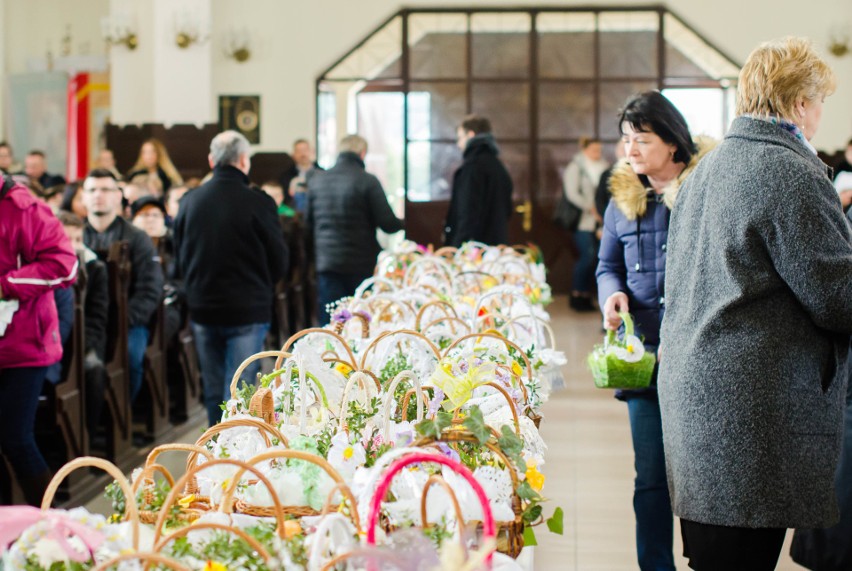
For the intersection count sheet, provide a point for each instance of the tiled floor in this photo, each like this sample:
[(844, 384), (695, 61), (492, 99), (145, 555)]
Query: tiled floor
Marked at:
[(589, 466)]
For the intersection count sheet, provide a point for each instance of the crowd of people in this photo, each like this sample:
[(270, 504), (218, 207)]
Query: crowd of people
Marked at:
[(742, 292)]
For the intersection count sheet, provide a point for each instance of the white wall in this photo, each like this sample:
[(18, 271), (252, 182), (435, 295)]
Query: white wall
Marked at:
[(294, 41)]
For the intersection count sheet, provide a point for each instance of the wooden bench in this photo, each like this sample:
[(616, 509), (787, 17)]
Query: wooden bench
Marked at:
[(155, 388), (118, 419)]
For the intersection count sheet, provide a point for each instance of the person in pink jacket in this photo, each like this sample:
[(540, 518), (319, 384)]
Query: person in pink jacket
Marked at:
[(35, 258)]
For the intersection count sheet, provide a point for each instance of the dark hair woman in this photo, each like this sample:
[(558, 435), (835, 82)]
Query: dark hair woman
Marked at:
[(660, 154)]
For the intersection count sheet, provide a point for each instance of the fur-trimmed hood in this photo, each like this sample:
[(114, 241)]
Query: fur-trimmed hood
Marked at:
[(631, 197)]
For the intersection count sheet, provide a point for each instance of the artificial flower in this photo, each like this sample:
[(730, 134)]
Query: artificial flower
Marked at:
[(343, 369), (459, 382), (631, 350), (534, 477), (214, 566), (517, 369), (346, 456)]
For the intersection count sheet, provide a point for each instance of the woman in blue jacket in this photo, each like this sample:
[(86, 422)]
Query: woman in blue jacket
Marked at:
[(660, 154)]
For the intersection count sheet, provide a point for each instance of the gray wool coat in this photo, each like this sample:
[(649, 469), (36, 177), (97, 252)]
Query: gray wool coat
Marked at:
[(756, 335)]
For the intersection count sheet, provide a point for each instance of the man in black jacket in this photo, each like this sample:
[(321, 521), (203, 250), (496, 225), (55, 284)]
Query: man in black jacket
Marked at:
[(481, 203), (102, 199), (346, 205), (230, 251)]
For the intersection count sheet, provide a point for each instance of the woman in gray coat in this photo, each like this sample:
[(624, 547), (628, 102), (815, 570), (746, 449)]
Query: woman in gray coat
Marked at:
[(756, 333)]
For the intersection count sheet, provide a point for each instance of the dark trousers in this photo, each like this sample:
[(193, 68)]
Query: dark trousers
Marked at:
[(221, 350), (584, 266), (651, 502), (719, 548), (19, 391), (332, 286)]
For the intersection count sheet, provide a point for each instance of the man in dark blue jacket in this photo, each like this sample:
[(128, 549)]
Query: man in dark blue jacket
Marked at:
[(230, 251), (481, 203), (346, 205)]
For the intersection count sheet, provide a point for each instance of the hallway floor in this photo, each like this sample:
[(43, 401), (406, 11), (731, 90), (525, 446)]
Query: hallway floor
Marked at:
[(589, 465)]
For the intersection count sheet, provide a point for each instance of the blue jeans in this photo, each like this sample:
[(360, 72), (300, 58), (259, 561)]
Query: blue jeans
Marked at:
[(20, 388), (651, 502), (221, 349), (584, 267), (332, 286), (137, 343)]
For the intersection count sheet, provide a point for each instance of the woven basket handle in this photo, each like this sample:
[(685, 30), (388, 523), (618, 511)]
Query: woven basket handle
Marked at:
[(266, 430), (446, 308), (109, 468), (340, 483), (249, 361), (488, 526), (147, 557), (320, 331), (255, 544), (365, 324), (406, 332), (227, 502), (435, 479), (612, 336), (358, 377), (389, 399)]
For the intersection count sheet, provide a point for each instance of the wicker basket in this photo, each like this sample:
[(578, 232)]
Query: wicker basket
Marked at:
[(610, 372), (295, 511), (109, 468), (510, 534), (226, 505), (148, 558), (187, 514)]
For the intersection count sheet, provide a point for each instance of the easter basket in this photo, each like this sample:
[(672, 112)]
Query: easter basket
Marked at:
[(622, 363)]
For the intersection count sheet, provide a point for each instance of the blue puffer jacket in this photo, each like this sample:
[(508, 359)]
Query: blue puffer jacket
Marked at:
[(633, 247)]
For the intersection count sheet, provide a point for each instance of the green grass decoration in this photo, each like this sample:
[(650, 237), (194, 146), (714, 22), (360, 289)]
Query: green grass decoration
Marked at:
[(611, 372)]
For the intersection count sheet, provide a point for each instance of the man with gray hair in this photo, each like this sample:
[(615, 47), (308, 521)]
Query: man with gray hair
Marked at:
[(346, 205), (230, 252)]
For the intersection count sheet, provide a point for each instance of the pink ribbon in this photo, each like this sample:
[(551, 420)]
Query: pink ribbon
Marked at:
[(14, 520)]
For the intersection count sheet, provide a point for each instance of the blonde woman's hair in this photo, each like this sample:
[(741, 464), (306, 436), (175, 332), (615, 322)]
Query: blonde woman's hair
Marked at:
[(780, 73), (163, 161)]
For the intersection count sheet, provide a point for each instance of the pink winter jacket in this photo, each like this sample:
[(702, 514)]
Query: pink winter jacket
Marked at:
[(35, 258)]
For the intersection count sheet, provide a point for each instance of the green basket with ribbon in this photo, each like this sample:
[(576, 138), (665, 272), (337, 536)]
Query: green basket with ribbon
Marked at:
[(622, 363)]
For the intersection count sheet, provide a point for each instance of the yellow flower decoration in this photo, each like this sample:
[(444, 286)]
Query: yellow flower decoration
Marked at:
[(459, 388), (187, 500), (214, 566), (225, 483), (343, 369), (517, 370), (534, 477)]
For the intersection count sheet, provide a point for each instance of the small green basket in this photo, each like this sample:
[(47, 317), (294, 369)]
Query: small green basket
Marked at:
[(611, 372)]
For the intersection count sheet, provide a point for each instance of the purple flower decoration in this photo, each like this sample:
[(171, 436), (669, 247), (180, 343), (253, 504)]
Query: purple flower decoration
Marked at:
[(477, 362), (448, 452), (435, 403), (463, 367), (342, 316)]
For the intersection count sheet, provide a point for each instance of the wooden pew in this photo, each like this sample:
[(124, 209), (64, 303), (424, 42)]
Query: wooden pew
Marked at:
[(118, 418), (191, 373), (62, 407), (155, 397)]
